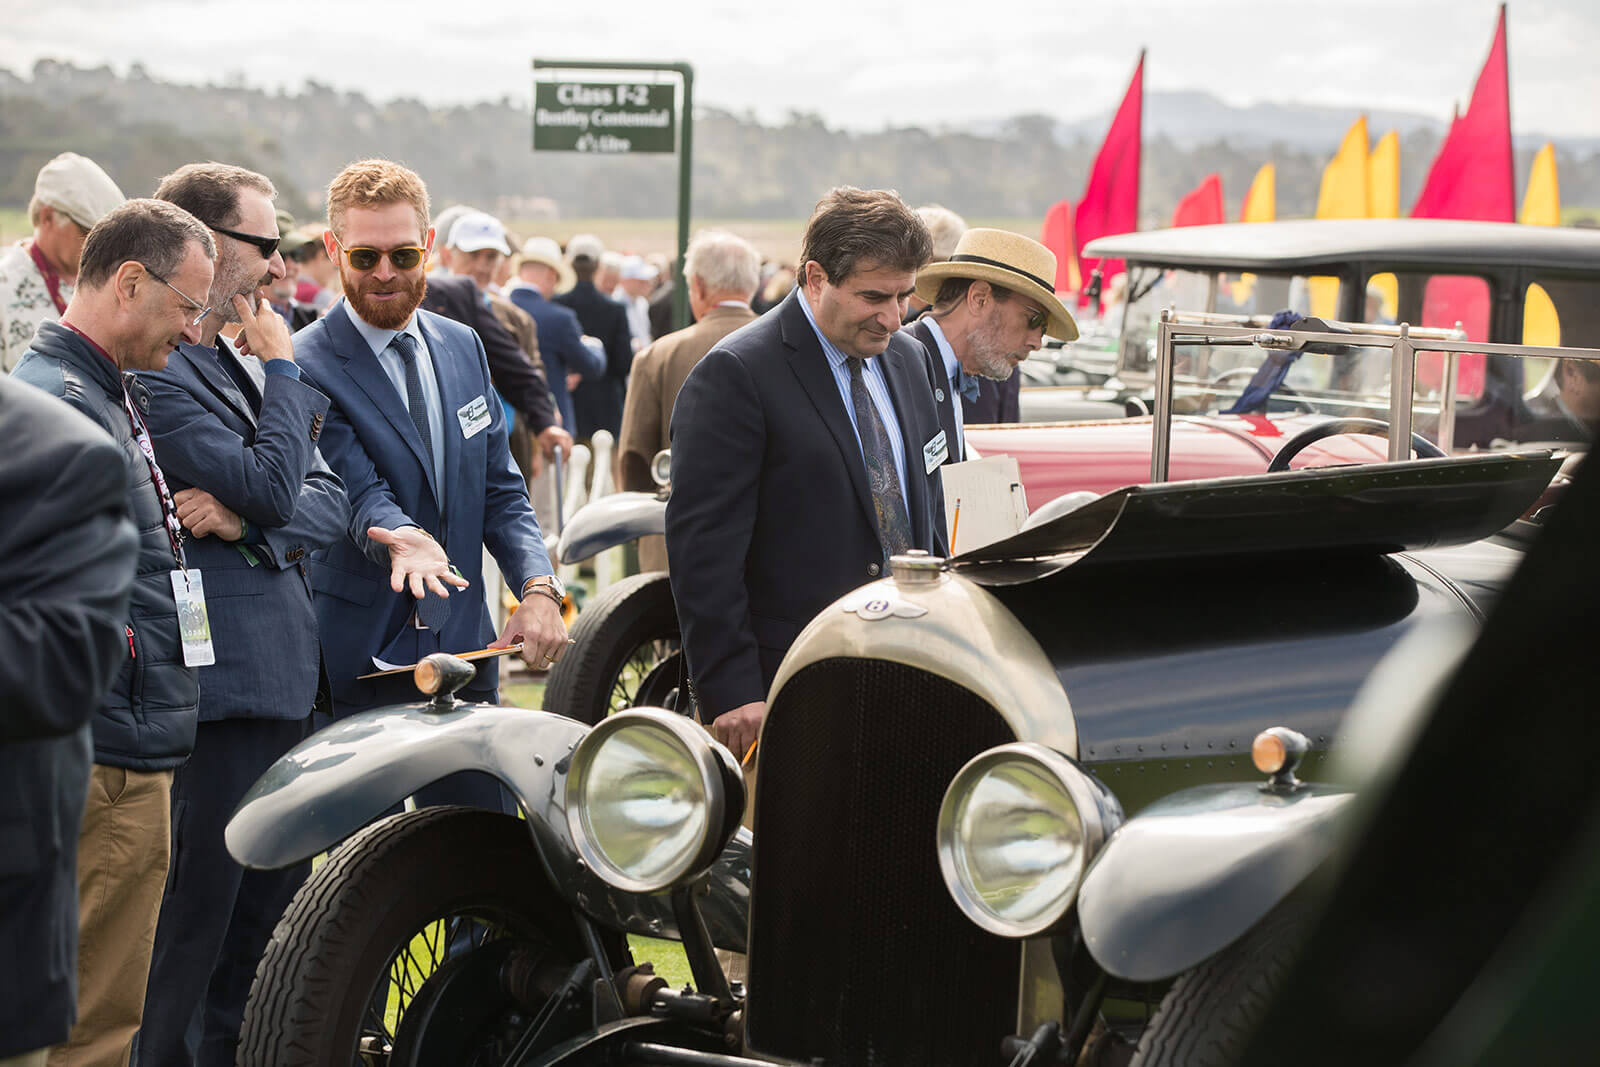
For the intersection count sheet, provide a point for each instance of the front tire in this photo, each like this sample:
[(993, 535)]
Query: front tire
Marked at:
[(626, 652), (408, 900), (1210, 1013)]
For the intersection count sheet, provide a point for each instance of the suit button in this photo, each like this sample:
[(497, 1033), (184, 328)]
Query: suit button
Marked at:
[(873, 569), (295, 555)]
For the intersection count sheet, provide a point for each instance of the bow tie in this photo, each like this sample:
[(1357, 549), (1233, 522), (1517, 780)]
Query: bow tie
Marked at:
[(965, 384)]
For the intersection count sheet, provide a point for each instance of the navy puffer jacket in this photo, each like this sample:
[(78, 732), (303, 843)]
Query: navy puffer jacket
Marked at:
[(148, 719)]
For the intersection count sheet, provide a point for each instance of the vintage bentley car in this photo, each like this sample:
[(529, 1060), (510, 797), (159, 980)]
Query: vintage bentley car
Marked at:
[(1003, 804)]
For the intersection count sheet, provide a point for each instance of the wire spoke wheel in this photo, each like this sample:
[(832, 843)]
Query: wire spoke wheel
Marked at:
[(429, 937), (626, 653)]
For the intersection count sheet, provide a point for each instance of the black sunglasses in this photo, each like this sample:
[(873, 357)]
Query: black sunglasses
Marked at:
[(268, 245)]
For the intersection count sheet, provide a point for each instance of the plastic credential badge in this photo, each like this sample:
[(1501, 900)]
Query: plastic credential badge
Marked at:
[(194, 625)]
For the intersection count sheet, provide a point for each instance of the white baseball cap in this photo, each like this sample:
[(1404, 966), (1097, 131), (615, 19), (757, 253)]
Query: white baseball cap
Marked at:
[(587, 245), (476, 231), (76, 186)]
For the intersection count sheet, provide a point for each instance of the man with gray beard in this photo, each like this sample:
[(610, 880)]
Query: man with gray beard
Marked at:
[(991, 306)]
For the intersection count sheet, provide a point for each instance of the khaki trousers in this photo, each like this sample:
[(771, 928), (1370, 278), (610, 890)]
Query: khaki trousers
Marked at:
[(27, 1059), (122, 867)]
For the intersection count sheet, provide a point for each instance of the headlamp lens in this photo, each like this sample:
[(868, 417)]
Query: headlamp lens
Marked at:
[(642, 806)]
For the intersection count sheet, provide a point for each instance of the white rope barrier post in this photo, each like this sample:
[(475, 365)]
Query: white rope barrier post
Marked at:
[(610, 564), (575, 497)]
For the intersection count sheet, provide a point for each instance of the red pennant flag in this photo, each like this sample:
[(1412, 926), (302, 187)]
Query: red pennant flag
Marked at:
[(1110, 202), (1472, 175), (1471, 178), (1203, 206), (1057, 237)]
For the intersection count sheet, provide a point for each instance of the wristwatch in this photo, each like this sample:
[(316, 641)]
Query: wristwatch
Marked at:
[(548, 584)]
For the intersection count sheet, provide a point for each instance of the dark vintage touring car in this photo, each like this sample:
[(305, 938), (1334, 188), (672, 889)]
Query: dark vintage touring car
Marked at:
[(1002, 803)]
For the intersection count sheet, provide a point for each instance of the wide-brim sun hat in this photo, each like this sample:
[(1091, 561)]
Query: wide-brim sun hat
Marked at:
[(1010, 261), (545, 250)]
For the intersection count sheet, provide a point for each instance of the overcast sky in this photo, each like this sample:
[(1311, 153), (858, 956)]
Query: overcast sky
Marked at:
[(925, 64)]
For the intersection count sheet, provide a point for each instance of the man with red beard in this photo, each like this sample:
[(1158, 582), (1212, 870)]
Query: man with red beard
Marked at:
[(417, 436)]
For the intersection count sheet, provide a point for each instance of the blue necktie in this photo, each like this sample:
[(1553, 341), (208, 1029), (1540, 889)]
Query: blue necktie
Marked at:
[(965, 384), (894, 528), (406, 345)]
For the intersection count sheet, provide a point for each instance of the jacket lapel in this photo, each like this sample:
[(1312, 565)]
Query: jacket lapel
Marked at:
[(365, 370), (217, 380), (944, 398), (810, 365), (455, 390)]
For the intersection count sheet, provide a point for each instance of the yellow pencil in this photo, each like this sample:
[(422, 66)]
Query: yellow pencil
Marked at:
[(955, 524), (750, 754)]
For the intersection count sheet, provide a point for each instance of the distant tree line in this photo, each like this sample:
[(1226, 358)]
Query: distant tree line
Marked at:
[(139, 128)]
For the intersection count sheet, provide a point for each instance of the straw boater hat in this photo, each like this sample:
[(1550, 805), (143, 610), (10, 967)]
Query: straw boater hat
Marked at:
[(1010, 261), (546, 251)]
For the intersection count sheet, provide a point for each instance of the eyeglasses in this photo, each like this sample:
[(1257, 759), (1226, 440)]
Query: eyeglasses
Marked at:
[(191, 301), (1038, 319), (267, 245), (407, 257)]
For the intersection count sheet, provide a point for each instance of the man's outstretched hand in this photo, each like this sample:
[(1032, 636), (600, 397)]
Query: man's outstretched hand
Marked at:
[(417, 559)]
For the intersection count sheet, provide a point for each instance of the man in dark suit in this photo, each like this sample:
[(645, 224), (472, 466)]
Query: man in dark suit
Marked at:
[(67, 555), (236, 437), (805, 449), (598, 404), (540, 272), (415, 434), (990, 305)]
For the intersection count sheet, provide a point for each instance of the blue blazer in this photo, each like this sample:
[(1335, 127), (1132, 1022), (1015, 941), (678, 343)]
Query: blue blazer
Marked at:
[(251, 442), (560, 346), (371, 443), (771, 518)]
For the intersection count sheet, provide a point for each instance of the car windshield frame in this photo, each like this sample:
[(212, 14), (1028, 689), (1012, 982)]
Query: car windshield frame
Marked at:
[(1403, 341)]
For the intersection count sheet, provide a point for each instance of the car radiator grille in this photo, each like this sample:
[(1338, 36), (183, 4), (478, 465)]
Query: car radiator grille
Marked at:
[(857, 953)]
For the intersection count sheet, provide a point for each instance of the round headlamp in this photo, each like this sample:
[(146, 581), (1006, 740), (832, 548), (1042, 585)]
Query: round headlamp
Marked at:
[(1017, 829), (651, 799)]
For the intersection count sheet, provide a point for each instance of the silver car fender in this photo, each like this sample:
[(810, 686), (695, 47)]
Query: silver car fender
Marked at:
[(1189, 874), (344, 776), (612, 520)]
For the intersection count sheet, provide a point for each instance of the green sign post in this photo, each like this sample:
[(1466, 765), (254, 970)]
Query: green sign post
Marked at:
[(621, 117)]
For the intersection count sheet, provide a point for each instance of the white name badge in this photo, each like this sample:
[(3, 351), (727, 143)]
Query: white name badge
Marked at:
[(473, 416), (194, 625), (934, 452)]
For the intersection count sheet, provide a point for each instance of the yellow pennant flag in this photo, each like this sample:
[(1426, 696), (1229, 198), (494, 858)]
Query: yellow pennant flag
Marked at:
[(1383, 178), (1261, 202), (1383, 202), (1343, 196), (1541, 206)]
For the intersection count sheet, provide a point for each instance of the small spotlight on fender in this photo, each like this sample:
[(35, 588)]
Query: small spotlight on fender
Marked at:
[(1278, 751)]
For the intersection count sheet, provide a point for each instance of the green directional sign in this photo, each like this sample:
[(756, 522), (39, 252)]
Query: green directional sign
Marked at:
[(613, 118)]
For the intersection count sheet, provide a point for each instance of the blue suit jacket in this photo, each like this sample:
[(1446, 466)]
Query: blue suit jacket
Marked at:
[(771, 518), (255, 450), (371, 443), (560, 346)]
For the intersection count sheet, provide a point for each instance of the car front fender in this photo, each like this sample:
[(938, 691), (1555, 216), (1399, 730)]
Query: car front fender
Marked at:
[(612, 520), (1192, 872), (344, 776)]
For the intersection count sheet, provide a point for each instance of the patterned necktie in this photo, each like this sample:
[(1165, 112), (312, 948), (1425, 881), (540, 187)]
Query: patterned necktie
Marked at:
[(894, 528), (406, 345)]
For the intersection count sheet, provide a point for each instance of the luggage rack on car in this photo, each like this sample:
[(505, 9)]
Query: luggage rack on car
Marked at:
[(1403, 341)]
